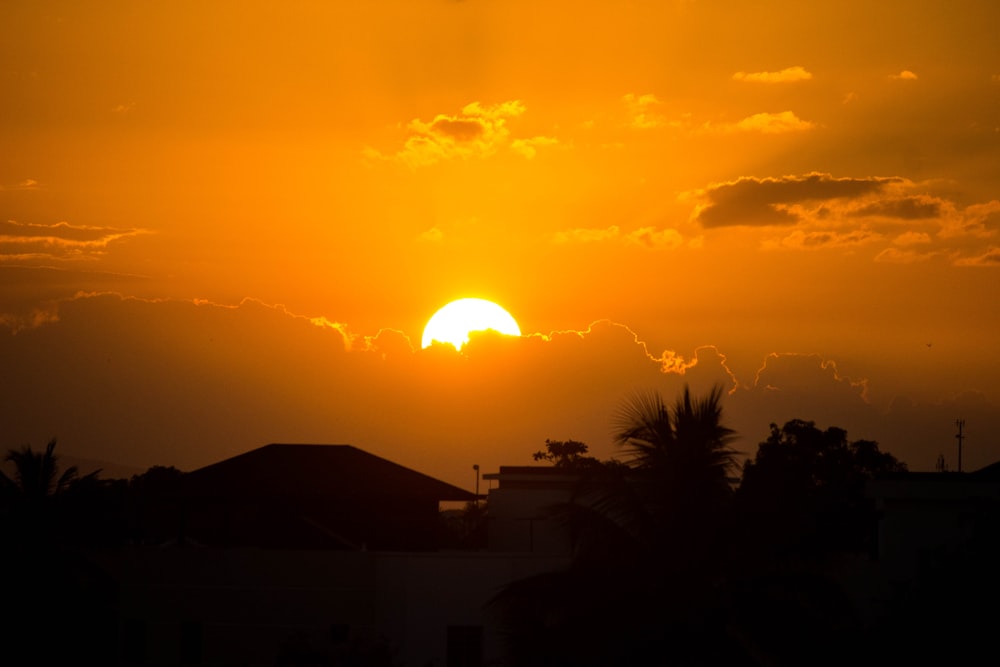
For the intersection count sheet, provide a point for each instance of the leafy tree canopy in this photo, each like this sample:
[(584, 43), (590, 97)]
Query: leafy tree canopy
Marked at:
[(804, 490), (565, 454), (802, 456)]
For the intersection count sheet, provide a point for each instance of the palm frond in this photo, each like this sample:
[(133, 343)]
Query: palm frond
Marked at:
[(642, 426)]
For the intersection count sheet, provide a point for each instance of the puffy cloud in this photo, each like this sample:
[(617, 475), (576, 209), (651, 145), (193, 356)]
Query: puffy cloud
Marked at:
[(791, 371), (787, 75), (905, 75), (656, 238), (977, 220), (186, 383), (772, 123), (478, 131), (767, 201)]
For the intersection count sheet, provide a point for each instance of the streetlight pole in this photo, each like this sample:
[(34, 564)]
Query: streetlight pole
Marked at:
[(475, 466), (960, 423)]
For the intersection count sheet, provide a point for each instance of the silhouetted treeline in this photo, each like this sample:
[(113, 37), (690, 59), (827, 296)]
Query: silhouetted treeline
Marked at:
[(39, 504), (680, 555)]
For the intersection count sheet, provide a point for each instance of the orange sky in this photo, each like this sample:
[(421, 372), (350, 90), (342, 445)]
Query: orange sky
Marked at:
[(225, 225)]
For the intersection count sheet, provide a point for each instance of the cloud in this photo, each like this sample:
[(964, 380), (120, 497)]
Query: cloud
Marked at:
[(805, 367), (894, 255), (787, 75), (187, 383), (989, 257), (24, 184), (643, 111), (587, 235), (765, 123), (917, 207), (977, 220), (528, 147), (813, 240), (773, 123), (905, 75), (767, 201), (59, 241), (478, 131), (912, 238), (433, 235), (649, 237)]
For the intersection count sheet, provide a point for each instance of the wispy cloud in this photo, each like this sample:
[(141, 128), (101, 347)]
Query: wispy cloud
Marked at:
[(989, 257), (650, 237), (478, 131), (814, 240), (61, 240), (644, 111), (25, 184), (529, 147), (894, 255), (787, 75), (765, 123)]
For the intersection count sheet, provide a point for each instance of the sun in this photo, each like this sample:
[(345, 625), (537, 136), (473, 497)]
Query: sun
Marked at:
[(453, 322)]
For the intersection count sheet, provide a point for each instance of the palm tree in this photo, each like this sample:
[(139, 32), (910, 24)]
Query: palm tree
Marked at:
[(28, 496), (688, 440), (670, 493), (648, 542), (35, 473)]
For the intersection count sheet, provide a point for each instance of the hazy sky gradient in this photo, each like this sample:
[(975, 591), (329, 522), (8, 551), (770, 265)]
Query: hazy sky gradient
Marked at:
[(225, 224)]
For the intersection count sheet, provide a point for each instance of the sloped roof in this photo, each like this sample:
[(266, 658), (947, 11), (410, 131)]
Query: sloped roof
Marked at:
[(325, 470)]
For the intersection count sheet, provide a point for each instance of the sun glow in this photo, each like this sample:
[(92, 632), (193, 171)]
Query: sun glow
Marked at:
[(453, 323)]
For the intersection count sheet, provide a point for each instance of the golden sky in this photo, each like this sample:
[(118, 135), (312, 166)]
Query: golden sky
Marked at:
[(225, 224)]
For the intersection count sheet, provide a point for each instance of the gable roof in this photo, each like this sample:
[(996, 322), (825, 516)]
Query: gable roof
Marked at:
[(318, 470)]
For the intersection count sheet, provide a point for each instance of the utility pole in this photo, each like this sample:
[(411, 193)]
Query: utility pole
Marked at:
[(475, 466), (960, 423)]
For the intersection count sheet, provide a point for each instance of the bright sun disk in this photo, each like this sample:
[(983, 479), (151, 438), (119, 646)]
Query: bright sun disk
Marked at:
[(453, 323)]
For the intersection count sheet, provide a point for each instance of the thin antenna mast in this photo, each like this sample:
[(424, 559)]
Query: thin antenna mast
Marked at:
[(960, 423)]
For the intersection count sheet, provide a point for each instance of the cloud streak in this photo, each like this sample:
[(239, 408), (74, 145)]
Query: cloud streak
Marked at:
[(649, 237), (787, 75), (60, 241)]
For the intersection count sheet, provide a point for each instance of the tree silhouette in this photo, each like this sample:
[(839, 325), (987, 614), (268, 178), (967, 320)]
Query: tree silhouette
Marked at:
[(565, 454), (28, 499), (35, 473), (803, 492), (641, 589), (58, 607), (670, 494)]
